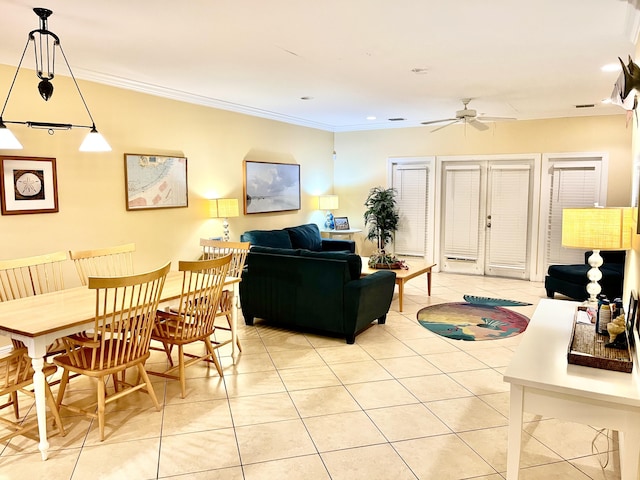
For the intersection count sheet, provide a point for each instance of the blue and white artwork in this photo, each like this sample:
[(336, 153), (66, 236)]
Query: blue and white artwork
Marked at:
[(271, 187)]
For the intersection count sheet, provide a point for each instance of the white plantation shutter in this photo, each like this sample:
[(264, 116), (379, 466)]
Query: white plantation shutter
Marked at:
[(411, 183), (509, 210), (575, 184), (462, 212)]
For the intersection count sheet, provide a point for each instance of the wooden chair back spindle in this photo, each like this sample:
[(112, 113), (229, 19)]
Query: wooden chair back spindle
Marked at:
[(103, 262)]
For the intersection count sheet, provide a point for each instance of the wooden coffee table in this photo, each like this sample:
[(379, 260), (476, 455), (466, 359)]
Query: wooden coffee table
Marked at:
[(416, 268)]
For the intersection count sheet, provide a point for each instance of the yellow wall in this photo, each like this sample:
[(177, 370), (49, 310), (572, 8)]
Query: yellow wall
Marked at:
[(361, 157), (91, 186)]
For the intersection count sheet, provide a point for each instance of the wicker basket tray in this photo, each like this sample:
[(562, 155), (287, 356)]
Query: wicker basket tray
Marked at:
[(587, 348)]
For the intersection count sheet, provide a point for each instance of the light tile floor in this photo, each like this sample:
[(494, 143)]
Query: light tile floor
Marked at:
[(401, 403)]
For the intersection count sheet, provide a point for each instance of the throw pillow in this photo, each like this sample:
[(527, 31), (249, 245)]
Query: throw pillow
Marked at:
[(306, 236)]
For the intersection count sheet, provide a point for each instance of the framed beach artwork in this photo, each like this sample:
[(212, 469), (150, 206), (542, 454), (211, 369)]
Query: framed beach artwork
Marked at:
[(28, 185), (271, 187), (155, 181)]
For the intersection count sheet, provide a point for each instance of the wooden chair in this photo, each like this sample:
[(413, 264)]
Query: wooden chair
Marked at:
[(193, 320), (103, 262), (125, 313), (25, 277), (15, 375), (238, 250)]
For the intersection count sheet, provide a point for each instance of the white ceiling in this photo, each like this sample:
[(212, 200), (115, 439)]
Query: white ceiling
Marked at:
[(355, 58)]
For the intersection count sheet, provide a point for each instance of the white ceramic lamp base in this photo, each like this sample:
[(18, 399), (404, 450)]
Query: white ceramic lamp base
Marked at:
[(594, 275)]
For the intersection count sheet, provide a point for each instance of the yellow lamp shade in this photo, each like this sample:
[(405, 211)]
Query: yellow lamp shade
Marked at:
[(597, 228), (224, 208), (328, 202)]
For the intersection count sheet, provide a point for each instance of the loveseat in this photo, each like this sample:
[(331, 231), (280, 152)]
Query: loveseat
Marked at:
[(318, 291), (571, 280), (303, 236)]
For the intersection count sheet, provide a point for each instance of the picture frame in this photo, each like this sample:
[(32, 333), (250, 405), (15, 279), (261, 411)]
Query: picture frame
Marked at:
[(632, 316), (341, 223), (270, 187), (155, 181), (28, 185)]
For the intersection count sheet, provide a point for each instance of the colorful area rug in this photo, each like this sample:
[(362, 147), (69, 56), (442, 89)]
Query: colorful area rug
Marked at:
[(479, 318)]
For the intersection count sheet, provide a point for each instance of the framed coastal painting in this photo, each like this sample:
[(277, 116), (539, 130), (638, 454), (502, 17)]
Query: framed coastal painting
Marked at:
[(28, 185), (271, 187), (155, 181)]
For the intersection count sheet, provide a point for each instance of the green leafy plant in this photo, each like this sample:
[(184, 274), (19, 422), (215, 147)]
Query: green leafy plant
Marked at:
[(382, 218)]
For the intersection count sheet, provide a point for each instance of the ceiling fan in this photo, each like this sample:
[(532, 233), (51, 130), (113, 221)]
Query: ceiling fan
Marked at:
[(468, 117)]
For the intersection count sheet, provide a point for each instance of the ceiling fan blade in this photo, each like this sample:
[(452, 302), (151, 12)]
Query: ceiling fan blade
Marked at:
[(475, 123), (445, 125), (432, 122), (496, 119)]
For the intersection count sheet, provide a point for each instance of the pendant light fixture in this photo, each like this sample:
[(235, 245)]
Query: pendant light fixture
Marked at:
[(45, 44)]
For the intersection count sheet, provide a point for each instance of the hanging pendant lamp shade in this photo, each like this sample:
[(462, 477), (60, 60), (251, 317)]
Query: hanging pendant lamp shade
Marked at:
[(8, 140), (45, 44), (94, 142)]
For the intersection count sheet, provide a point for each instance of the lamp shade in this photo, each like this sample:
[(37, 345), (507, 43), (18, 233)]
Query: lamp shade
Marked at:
[(597, 228), (8, 140), (94, 142), (328, 202), (224, 208)]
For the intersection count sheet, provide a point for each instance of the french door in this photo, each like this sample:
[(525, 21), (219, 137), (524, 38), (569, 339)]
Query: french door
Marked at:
[(486, 217)]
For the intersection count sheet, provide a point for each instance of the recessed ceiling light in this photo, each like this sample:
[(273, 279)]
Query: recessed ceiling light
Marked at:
[(371, 117), (611, 67)]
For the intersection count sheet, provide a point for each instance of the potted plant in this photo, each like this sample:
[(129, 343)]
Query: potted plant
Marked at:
[(382, 218)]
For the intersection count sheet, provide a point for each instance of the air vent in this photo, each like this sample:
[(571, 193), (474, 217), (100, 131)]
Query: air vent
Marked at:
[(397, 119), (586, 105)]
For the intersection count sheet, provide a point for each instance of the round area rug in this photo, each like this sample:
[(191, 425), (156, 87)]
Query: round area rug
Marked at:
[(469, 321)]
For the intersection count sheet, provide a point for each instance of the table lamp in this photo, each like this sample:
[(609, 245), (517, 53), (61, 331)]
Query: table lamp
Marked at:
[(596, 229), (224, 208), (328, 203)]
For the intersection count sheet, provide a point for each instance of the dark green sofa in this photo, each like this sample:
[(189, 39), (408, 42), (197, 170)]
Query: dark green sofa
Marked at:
[(320, 291), (303, 236)]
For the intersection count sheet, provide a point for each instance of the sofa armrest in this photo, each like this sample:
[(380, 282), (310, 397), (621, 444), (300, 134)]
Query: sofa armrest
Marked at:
[(368, 298), (338, 245)]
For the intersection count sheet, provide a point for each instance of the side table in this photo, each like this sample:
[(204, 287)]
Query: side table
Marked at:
[(348, 232)]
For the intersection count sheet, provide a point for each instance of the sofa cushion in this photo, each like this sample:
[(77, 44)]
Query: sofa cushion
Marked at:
[(275, 251), (354, 262), (267, 238), (305, 236)]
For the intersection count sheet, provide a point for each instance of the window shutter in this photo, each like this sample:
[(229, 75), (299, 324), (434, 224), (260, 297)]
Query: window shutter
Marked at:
[(461, 212), (412, 186), (572, 186), (509, 207)]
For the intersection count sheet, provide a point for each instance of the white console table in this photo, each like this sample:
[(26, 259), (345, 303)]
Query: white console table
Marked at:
[(543, 382), (348, 232)]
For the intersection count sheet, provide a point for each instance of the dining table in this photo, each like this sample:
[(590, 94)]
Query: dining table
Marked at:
[(40, 319)]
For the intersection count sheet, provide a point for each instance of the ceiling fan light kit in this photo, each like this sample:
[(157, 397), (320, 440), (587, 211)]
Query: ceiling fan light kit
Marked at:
[(467, 116)]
